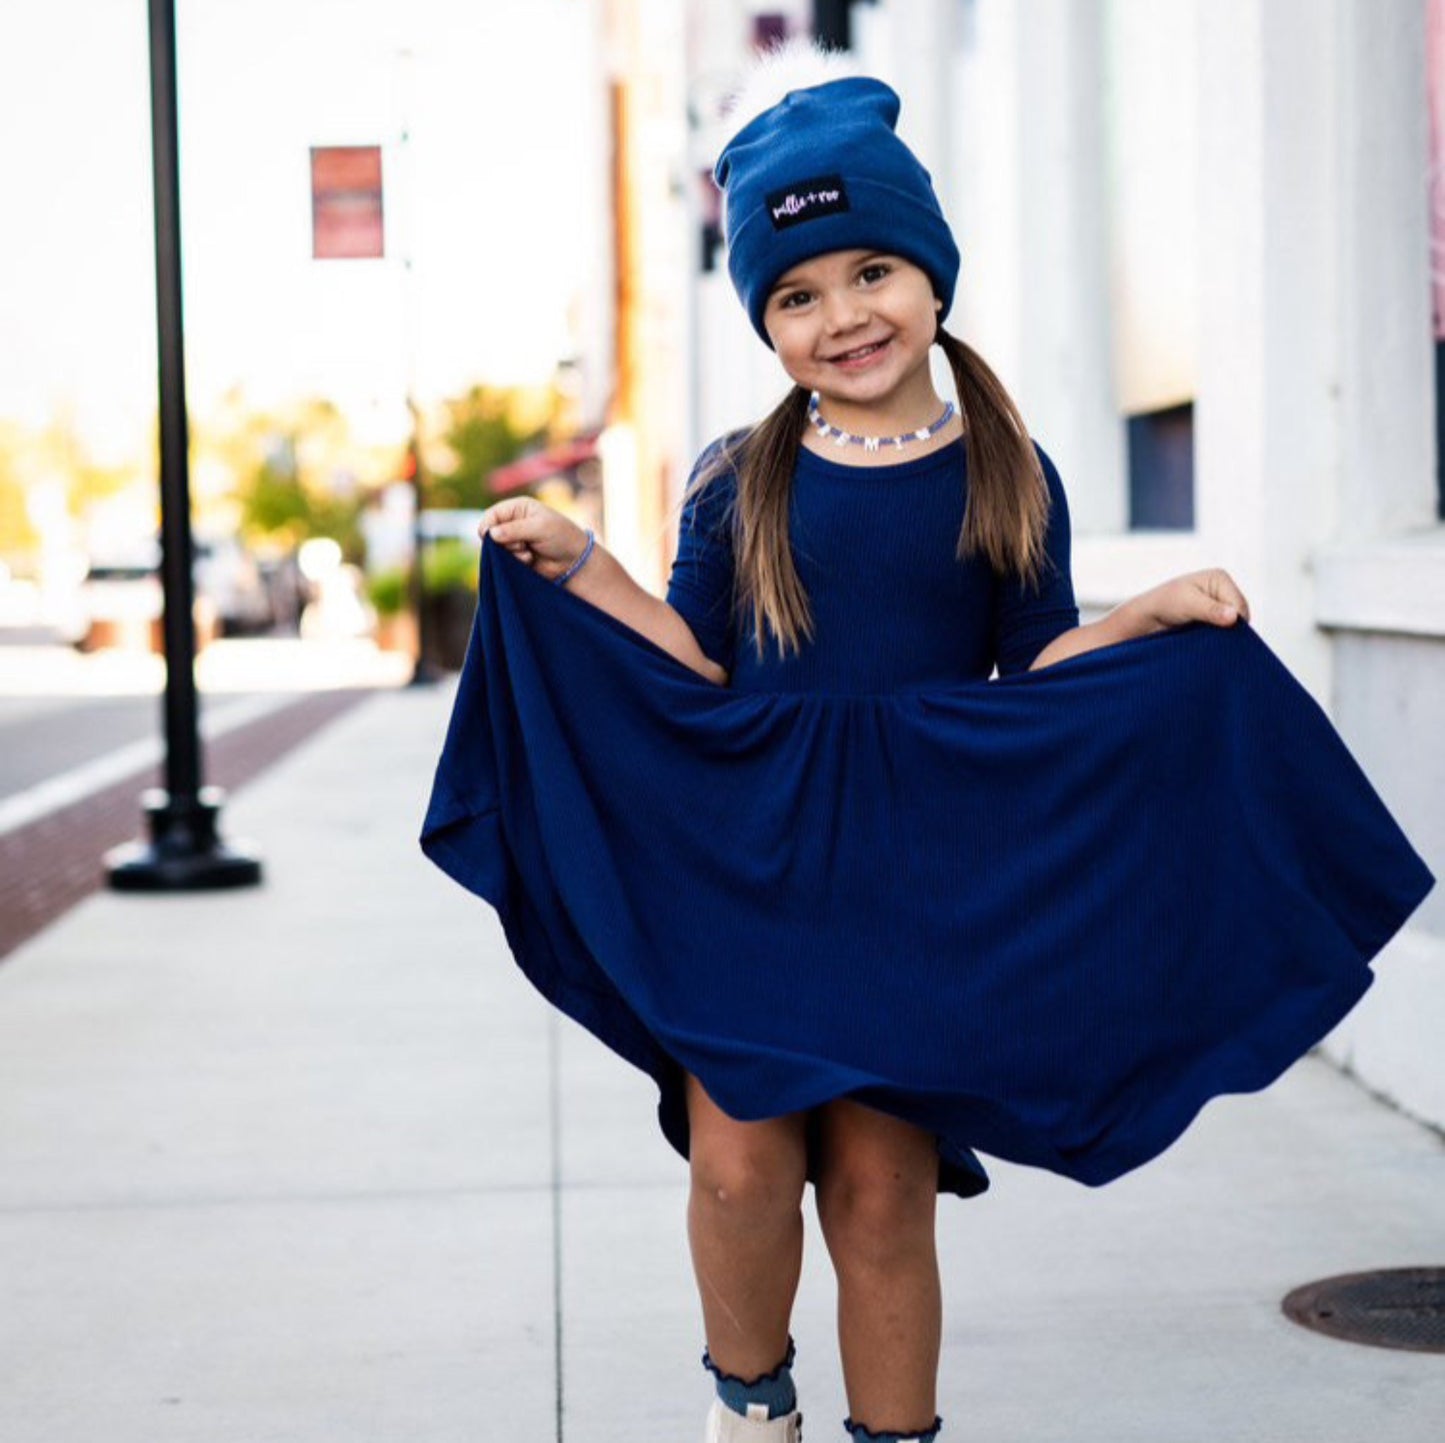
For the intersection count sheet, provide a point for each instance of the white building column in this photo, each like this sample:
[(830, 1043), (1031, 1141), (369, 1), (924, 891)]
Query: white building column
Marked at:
[(1032, 225), (1267, 414), (1066, 377), (1384, 570), (1387, 403), (912, 44)]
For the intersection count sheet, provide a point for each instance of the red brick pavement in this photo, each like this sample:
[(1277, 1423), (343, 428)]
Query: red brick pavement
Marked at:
[(55, 861)]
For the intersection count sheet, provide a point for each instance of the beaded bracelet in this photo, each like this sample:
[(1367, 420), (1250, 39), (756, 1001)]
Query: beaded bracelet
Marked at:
[(576, 566)]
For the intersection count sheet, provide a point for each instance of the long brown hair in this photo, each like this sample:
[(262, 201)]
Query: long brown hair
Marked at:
[(1005, 516)]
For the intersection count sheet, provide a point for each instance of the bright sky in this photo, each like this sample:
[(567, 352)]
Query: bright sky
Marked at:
[(498, 103)]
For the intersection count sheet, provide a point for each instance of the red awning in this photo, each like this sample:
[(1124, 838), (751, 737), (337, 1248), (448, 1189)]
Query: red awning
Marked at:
[(566, 456)]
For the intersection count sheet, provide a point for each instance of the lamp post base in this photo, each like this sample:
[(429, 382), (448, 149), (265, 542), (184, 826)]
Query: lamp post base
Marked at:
[(184, 852), (423, 673)]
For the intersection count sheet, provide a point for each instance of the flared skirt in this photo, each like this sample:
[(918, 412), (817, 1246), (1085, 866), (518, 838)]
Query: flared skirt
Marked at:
[(1046, 917)]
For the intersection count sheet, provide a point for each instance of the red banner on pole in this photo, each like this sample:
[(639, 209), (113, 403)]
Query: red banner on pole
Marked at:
[(346, 213)]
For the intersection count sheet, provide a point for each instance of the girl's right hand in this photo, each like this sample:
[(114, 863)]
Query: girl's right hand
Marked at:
[(545, 539)]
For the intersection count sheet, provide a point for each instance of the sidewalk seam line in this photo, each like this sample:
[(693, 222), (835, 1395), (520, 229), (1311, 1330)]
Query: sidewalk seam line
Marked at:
[(554, 1108)]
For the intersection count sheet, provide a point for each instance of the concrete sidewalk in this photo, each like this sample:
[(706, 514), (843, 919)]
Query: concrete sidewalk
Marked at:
[(313, 1164)]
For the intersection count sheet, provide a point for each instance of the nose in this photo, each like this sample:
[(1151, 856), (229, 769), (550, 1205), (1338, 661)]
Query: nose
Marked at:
[(843, 310)]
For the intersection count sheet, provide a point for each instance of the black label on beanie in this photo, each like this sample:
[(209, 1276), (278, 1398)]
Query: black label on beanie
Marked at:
[(807, 200)]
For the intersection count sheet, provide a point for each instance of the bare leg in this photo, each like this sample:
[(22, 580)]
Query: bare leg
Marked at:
[(745, 1225), (877, 1195)]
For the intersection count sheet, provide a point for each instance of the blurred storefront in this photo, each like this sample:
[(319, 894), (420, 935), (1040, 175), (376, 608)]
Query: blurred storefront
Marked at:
[(629, 314)]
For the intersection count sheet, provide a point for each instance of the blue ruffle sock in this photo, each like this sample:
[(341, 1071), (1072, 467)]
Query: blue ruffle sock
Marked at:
[(775, 1388), (859, 1434)]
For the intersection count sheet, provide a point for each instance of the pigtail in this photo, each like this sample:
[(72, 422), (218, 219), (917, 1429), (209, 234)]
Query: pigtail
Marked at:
[(1008, 504), (768, 595)]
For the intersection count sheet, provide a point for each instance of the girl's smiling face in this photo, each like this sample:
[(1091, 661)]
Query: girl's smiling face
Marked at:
[(856, 326)]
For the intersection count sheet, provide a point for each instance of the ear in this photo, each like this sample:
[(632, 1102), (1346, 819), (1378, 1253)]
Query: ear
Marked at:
[(937, 304)]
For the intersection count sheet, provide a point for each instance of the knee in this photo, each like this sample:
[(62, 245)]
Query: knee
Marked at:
[(743, 1185), (876, 1218)]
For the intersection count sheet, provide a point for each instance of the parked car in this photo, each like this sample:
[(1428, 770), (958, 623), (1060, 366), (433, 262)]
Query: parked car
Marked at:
[(120, 601), (117, 603), (228, 577)]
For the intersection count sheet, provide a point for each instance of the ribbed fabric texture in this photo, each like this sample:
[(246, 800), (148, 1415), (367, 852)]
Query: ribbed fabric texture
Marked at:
[(893, 608), (1046, 916)]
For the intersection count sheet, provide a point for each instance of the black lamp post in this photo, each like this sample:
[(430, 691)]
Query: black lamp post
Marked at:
[(183, 851)]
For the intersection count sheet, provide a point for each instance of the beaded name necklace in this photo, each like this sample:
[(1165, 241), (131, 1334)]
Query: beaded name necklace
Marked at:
[(873, 443)]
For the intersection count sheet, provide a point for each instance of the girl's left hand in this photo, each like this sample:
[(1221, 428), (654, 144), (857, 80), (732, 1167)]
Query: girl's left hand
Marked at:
[(1208, 596)]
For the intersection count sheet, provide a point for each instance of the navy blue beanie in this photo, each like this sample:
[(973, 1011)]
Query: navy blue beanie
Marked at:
[(820, 171)]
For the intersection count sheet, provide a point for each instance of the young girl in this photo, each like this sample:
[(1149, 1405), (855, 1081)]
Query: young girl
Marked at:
[(781, 842)]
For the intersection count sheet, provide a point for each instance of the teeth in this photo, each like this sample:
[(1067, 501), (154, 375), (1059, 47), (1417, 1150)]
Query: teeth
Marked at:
[(861, 351)]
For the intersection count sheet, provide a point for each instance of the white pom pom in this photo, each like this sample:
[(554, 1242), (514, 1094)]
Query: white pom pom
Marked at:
[(796, 64)]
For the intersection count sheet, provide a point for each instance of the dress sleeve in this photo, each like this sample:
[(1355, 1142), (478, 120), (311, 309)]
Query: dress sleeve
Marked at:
[(1025, 620), (700, 585)]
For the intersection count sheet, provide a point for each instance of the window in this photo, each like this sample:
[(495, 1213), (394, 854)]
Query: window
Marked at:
[(1161, 469)]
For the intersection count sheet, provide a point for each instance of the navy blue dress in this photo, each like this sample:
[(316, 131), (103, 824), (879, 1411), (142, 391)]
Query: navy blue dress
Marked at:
[(1046, 916)]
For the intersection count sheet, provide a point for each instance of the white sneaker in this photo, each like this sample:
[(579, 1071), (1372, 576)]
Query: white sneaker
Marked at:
[(725, 1426)]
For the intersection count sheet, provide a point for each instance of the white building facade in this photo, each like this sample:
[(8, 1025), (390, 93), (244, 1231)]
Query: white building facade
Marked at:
[(1196, 247)]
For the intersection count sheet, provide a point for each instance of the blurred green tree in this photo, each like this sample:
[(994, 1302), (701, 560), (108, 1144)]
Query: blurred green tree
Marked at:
[(297, 474), (485, 428)]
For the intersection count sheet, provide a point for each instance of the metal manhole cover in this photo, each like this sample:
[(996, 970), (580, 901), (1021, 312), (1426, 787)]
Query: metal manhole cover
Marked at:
[(1392, 1308)]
